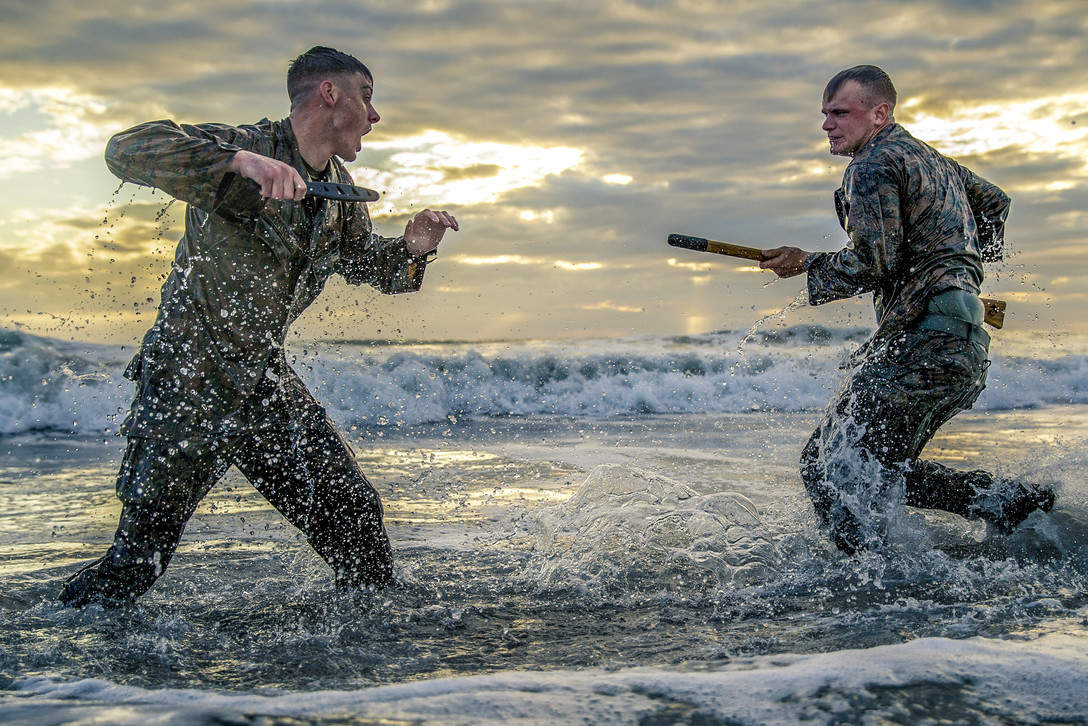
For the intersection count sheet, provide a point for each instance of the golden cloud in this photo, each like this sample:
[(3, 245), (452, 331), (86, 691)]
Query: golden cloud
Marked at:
[(609, 305), (134, 229), (1044, 124), (693, 266), (475, 171), (437, 169), (527, 260)]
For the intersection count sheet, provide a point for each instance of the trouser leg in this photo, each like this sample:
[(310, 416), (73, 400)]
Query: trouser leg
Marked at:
[(970, 494), (975, 494), (309, 474), (869, 440), (159, 486)]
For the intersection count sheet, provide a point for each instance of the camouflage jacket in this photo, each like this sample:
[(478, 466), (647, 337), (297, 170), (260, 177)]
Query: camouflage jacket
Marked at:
[(245, 269), (918, 224)]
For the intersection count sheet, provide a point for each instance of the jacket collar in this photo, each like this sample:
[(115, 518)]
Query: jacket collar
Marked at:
[(886, 134), (286, 133)]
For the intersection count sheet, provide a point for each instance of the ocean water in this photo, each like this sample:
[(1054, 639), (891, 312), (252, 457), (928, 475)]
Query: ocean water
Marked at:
[(606, 531)]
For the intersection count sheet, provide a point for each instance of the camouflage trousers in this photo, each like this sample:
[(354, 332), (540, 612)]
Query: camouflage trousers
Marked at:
[(865, 451), (303, 467)]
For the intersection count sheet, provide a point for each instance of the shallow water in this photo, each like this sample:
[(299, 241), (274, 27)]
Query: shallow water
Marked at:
[(613, 532), (680, 544)]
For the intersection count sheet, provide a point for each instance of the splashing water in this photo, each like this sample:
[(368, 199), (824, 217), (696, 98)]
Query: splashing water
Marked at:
[(799, 301), (626, 528), (859, 485)]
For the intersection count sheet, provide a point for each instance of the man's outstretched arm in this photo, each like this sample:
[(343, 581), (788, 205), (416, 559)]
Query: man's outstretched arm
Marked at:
[(871, 255), (391, 264), (204, 165)]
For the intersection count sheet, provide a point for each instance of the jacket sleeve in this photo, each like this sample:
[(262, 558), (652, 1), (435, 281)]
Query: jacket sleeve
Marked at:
[(190, 163), (990, 208), (369, 258), (875, 239)]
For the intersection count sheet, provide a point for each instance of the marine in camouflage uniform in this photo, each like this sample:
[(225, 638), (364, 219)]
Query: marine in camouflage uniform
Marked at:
[(919, 226), (213, 386)]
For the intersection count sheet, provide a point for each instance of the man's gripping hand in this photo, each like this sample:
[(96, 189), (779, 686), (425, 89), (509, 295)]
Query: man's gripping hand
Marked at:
[(424, 231), (784, 261), (277, 179)]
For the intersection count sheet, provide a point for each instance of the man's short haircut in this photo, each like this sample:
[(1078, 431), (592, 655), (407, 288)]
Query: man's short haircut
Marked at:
[(874, 80), (318, 63)]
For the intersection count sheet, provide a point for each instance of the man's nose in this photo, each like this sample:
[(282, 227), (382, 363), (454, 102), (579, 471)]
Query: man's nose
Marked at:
[(828, 124), (373, 118)]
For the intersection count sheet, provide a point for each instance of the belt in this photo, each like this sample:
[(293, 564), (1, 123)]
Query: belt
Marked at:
[(955, 326)]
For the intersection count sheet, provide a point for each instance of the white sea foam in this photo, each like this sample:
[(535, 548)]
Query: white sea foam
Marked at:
[(48, 384), (963, 681)]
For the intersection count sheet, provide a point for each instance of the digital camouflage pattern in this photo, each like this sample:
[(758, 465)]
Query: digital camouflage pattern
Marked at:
[(914, 219), (245, 269)]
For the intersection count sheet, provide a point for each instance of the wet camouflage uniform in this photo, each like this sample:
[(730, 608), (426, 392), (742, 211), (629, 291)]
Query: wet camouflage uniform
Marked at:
[(213, 384), (919, 227)]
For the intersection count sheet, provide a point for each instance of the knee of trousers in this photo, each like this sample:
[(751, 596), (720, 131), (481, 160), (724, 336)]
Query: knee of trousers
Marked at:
[(352, 497), (153, 474)]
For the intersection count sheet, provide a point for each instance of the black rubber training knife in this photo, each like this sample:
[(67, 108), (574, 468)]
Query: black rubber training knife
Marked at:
[(340, 192)]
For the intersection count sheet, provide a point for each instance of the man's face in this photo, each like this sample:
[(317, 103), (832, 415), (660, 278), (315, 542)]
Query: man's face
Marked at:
[(353, 115), (851, 119)]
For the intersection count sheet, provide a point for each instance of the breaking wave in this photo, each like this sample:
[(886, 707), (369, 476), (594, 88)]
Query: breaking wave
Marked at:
[(49, 384)]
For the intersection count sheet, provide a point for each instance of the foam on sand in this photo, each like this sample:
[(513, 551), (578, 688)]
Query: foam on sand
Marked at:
[(974, 680)]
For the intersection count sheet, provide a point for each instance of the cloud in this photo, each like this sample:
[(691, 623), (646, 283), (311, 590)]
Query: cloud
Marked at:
[(577, 266), (437, 169), (609, 305), (497, 260), (1045, 124), (131, 229), (68, 127), (693, 266), (564, 265), (475, 171), (621, 179)]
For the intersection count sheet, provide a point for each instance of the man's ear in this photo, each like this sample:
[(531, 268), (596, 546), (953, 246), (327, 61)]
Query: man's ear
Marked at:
[(328, 92), (881, 112)]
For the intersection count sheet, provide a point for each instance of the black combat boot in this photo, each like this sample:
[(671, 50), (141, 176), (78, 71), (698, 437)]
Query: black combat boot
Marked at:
[(85, 587), (1025, 499), (102, 582)]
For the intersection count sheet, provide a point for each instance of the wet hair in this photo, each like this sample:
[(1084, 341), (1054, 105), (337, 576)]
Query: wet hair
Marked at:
[(315, 65), (873, 80)]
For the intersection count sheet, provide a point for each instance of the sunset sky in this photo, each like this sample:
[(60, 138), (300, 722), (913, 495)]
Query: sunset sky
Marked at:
[(568, 138)]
